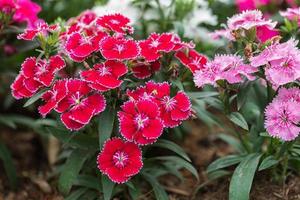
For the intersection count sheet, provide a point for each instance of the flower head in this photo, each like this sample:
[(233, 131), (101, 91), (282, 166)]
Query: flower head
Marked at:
[(115, 22), (292, 14), (120, 160), (192, 60), (41, 28), (144, 70), (26, 11)]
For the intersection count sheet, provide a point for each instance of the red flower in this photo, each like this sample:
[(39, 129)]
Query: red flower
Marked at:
[(80, 47), (140, 122), (18, 89), (79, 106), (144, 70), (42, 28), (154, 44), (113, 48), (180, 44), (120, 160), (116, 22), (104, 77), (53, 97), (191, 59)]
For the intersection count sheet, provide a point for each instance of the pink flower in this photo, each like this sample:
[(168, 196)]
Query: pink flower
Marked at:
[(291, 14), (250, 4), (192, 59), (80, 105), (41, 28), (291, 94), (104, 77), (283, 117), (113, 48), (142, 70), (180, 45), (120, 160), (18, 90), (26, 11), (140, 122), (7, 6), (282, 62), (156, 43), (224, 67), (116, 22)]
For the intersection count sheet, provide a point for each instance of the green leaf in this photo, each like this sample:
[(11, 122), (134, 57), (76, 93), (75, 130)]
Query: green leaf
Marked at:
[(159, 192), (241, 181), (6, 121), (232, 141), (108, 187), (243, 94), (239, 120), (201, 95), (76, 194), (172, 147), (88, 182), (267, 163), (34, 98), (106, 125), (224, 162), (9, 166), (71, 170), (181, 162)]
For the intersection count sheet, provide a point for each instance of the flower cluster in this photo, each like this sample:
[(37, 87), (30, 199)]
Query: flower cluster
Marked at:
[(239, 24), (282, 115), (105, 47), (21, 11)]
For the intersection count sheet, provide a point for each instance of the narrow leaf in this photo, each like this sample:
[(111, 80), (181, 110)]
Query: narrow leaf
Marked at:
[(108, 187), (239, 120), (232, 142), (34, 98), (88, 182), (106, 125), (76, 194), (268, 162), (224, 162), (159, 192)]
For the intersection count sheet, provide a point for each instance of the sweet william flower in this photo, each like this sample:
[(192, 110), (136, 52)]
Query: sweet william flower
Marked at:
[(120, 160), (41, 28), (140, 122), (291, 14), (192, 59), (115, 22), (105, 76), (26, 11), (18, 89), (118, 48), (142, 70), (291, 94)]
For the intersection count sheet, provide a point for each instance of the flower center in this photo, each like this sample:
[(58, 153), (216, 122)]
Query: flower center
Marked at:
[(154, 43), (113, 21), (169, 103), (141, 121), (41, 68), (104, 71), (120, 159), (120, 48)]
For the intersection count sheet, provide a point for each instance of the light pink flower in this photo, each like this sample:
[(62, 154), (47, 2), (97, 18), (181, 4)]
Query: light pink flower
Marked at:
[(291, 94), (282, 62), (291, 14), (223, 67)]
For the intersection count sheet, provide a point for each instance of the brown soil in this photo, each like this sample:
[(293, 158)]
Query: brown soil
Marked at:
[(201, 145)]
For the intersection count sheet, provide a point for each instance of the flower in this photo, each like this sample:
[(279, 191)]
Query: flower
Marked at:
[(35, 74), (140, 122), (282, 62), (291, 14), (113, 48), (224, 67), (104, 77), (192, 59), (250, 4), (282, 119), (120, 160), (26, 11), (80, 105), (142, 70), (7, 6), (291, 94), (154, 44), (41, 28), (115, 22)]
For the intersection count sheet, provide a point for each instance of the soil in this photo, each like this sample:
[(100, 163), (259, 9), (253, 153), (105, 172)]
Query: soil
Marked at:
[(201, 144)]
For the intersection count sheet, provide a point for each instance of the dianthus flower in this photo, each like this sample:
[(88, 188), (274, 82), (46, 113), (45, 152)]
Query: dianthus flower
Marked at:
[(115, 22), (192, 59), (105, 76), (120, 160), (283, 116), (142, 70), (291, 94), (282, 62), (41, 28), (291, 14), (26, 11), (79, 105), (140, 122), (35, 74), (223, 67)]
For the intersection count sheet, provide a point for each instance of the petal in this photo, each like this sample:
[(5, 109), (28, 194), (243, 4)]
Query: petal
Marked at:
[(154, 129), (182, 101), (117, 68), (70, 124), (28, 67), (147, 107)]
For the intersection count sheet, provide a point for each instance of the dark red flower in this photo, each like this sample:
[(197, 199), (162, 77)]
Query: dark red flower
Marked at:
[(115, 22), (80, 105), (120, 160), (154, 44), (113, 48), (144, 70), (41, 28), (140, 122), (191, 59), (105, 76), (53, 97), (18, 88)]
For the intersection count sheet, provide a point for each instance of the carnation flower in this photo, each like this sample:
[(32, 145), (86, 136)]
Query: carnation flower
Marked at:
[(282, 62), (79, 106), (41, 28), (120, 160), (144, 70), (282, 119), (26, 11), (113, 48), (140, 122), (104, 77), (192, 59), (223, 67), (115, 22), (291, 14)]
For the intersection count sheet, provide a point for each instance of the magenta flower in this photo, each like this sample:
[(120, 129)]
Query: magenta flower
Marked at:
[(26, 11), (223, 67), (250, 4), (291, 14), (282, 62)]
